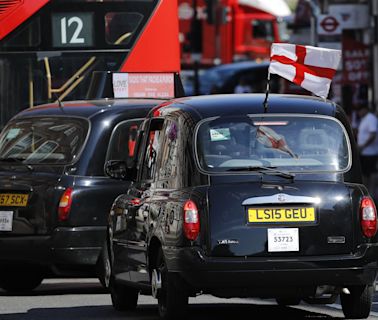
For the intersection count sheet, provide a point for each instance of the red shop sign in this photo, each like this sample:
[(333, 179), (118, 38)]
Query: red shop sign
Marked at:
[(356, 60)]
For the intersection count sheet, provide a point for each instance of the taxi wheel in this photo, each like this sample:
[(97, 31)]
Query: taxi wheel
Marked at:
[(123, 298), (357, 304), (104, 266), (172, 297), (21, 280)]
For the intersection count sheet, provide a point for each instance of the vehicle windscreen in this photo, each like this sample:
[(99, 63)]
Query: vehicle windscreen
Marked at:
[(44, 140), (297, 143)]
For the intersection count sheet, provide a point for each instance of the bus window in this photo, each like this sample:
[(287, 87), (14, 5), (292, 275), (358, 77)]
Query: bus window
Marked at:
[(120, 26), (28, 36)]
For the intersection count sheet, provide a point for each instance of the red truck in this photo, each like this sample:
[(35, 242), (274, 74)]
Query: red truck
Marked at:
[(223, 31)]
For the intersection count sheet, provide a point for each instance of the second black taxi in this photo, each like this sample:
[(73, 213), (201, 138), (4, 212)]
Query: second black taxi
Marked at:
[(235, 200), (54, 196)]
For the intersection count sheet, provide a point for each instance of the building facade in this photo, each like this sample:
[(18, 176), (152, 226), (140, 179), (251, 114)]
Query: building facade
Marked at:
[(350, 26)]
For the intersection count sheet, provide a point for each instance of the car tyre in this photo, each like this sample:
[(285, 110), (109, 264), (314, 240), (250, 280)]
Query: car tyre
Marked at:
[(123, 298), (357, 304), (21, 279), (103, 266), (172, 297)]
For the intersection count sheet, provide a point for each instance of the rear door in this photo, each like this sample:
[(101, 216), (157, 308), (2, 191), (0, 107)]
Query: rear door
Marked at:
[(94, 192), (303, 218), (28, 200), (130, 236), (277, 185)]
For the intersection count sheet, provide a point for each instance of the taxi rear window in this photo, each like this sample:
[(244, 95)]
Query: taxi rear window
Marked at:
[(44, 140), (293, 143)]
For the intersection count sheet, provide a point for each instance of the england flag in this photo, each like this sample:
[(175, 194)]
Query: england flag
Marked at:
[(309, 67)]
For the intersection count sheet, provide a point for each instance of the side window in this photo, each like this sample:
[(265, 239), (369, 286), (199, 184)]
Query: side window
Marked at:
[(121, 26), (169, 152), (27, 36), (123, 140), (152, 149)]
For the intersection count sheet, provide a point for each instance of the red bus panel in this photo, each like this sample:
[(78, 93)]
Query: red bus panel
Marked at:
[(157, 49), (15, 12)]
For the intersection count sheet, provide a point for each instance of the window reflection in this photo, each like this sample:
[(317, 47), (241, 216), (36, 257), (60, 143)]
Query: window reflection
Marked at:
[(292, 143), (43, 140), (152, 150)]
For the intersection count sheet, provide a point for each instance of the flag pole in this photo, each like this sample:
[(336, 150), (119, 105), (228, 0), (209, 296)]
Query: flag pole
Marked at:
[(265, 103)]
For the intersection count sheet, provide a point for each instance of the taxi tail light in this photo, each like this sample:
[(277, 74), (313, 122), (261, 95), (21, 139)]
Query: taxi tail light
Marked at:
[(368, 217), (65, 205), (191, 220)]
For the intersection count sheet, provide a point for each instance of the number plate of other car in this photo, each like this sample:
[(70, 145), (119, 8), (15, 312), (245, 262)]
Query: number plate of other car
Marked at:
[(283, 240), (13, 200), (6, 220)]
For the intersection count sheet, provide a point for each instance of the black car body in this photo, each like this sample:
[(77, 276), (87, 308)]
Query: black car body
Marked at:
[(234, 200), (224, 78), (54, 196)]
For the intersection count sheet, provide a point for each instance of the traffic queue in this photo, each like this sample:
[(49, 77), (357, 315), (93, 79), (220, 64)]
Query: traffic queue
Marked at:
[(237, 195)]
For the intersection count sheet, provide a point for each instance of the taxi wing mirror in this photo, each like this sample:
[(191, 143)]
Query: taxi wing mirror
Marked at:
[(118, 169)]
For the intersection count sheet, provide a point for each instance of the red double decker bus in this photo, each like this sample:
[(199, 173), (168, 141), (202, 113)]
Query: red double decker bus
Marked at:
[(49, 48)]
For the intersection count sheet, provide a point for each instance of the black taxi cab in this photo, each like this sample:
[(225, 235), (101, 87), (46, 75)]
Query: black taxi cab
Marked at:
[(236, 200), (54, 195)]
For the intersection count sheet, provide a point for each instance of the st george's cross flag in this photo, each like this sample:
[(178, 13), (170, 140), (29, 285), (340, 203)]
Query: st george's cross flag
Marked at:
[(309, 67)]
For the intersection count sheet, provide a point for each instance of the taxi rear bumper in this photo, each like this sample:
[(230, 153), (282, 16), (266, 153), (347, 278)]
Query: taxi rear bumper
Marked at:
[(263, 274), (78, 246)]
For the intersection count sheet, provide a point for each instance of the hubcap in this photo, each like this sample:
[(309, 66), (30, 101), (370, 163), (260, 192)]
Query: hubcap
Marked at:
[(107, 272), (156, 283)]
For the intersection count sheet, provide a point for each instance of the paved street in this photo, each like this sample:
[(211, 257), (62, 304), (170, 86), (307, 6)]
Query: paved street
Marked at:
[(79, 299)]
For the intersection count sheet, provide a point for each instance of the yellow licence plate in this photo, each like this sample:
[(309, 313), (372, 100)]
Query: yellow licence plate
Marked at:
[(13, 200), (264, 215)]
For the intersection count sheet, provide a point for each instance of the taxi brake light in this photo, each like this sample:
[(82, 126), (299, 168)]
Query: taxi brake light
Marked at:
[(191, 220), (368, 215), (65, 205)]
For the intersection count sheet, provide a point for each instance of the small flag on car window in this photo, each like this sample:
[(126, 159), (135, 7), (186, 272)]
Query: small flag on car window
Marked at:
[(309, 67)]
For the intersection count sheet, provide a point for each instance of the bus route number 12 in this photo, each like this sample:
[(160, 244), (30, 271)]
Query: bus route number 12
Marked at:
[(73, 30)]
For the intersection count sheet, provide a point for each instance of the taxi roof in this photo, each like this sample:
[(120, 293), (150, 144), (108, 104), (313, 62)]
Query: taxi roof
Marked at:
[(232, 104), (89, 108)]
